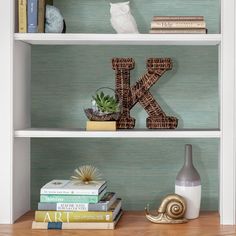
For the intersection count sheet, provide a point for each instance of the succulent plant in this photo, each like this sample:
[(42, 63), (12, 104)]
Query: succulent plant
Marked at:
[(106, 103)]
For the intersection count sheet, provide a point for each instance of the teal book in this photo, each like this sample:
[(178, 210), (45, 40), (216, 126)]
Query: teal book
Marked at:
[(71, 198)]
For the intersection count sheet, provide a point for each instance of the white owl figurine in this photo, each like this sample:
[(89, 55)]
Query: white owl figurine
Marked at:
[(121, 19)]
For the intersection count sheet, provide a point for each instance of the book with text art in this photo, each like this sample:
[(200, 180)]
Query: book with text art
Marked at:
[(103, 205), (77, 225), (73, 187), (79, 216)]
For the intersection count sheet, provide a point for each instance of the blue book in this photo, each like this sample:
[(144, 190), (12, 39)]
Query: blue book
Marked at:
[(32, 16)]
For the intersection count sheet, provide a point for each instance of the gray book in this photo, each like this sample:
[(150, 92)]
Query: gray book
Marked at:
[(103, 205)]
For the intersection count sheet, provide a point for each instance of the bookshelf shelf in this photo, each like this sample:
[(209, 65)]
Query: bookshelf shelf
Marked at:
[(137, 133), (131, 223), (119, 39)]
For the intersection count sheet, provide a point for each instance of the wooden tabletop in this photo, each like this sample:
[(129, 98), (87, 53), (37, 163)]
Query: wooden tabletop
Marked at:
[(131, 223)]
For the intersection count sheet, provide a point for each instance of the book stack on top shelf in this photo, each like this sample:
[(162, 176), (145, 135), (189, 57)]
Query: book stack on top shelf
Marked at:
[(67, 204), (178, 25)]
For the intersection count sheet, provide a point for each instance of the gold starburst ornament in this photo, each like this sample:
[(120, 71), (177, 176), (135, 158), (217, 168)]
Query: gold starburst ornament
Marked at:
[(86, 174)]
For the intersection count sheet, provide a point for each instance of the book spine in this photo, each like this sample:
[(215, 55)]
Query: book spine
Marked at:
[(44, 206), (41, 15), (22, 16), (69, 191), (178, 31), (103, 205), (60, 225), (68, 216), (177, 24), (176, 18), (68, 198), (62, 191), (80, 225), (32, 7)]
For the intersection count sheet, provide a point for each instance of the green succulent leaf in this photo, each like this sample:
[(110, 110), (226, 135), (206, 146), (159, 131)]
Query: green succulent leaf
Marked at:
[(106, 103)]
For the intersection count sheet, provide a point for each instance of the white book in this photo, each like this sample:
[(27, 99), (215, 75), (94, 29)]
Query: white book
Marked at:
[(71, 187)]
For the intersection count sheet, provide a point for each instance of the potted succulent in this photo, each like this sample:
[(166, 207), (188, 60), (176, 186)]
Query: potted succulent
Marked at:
[(105, 107)]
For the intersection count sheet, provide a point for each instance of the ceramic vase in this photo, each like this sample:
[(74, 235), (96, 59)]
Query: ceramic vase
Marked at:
[(188, 185)]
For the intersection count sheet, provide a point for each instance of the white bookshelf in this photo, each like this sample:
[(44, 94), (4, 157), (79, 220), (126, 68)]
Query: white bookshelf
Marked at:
[(136, 133), (15, 106), (119, 39)]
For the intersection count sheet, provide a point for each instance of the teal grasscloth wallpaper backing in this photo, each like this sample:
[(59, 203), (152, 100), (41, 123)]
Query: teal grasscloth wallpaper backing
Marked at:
[(65, 77)]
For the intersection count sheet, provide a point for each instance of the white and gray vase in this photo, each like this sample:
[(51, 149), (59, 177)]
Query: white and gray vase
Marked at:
[(188, 185)]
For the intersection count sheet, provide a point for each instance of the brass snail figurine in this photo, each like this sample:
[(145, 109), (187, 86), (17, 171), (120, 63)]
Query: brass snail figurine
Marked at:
[(171, 211)]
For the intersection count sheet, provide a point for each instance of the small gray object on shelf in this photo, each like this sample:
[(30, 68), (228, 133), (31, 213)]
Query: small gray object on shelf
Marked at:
[(54, 20)]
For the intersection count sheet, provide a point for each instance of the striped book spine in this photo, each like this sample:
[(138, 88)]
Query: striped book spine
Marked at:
[(79, 216), (177, 24), (176, 18), (103, 205), (72, 216), (178, 31), (78, 225)]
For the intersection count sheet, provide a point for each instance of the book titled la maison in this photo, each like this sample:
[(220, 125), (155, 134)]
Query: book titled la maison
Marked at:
[(57, 187), (80, 216)]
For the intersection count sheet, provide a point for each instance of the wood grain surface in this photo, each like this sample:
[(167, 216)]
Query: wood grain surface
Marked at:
[(131, 223)]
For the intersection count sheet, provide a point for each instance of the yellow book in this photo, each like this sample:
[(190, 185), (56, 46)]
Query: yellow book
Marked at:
[(22, 16), (79, 216), (77, 225), (101, 126)]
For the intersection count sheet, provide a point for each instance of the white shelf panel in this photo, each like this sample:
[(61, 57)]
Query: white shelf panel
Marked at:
[(119, 39), (81, 133)]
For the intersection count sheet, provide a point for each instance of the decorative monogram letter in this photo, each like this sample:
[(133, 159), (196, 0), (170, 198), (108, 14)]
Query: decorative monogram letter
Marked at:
[(139, 92)]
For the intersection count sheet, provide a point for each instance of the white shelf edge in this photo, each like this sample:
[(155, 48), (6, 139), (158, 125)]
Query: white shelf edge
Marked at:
[(119, 39), (76, 133)]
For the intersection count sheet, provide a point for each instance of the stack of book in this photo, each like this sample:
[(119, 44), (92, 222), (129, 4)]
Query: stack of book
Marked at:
[(66, 204), (178, 25), (31, 15)]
